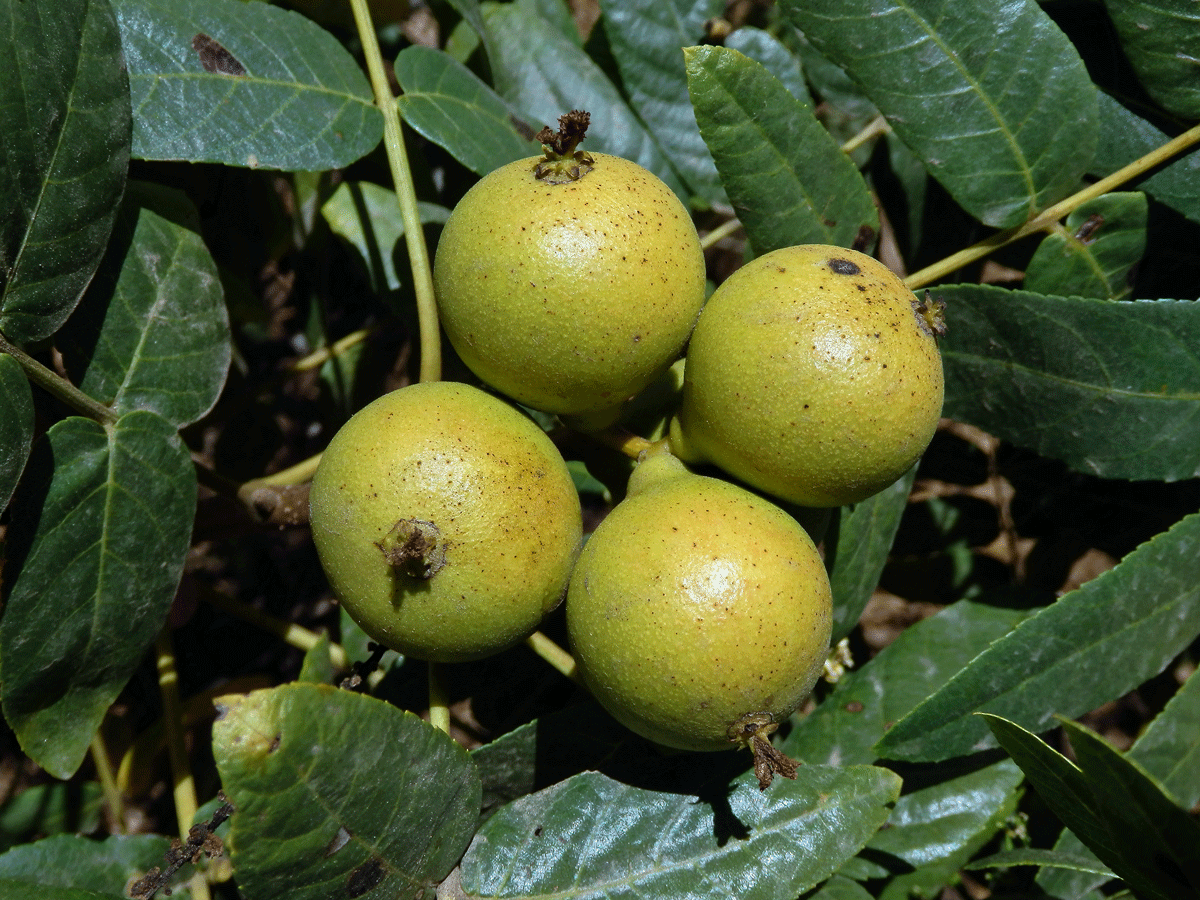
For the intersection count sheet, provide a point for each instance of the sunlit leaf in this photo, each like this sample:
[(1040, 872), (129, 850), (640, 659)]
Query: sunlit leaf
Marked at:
[(1091, 646), (64, 139), (769, 52), (245, 84), (1112, 389), (100, 531), (991, 95)]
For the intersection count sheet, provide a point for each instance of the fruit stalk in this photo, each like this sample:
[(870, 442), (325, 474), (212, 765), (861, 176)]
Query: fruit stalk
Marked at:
[(414, 235)]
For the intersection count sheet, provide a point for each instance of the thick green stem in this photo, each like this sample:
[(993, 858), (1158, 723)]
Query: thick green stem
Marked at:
[(59, 387), (1047, 217), (559, 658), (439, 700), (414, 236)]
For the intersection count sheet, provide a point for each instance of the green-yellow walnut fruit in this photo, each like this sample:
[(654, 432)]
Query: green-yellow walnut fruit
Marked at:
[(813, 375), (569, 282), (446, 522), (699, 613)]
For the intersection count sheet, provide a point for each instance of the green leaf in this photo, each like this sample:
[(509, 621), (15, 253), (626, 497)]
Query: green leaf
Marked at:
[(16, 425), (152, 331), (51, 808), (245, 84), (647, 38), (845, 727), (368, 216), (71, 861), (1045, 859), (64, 138), (1091, 646), (445, 102), (591, 836), (1161, 38), (100, 533), (340, 794), (1112, 389), (840, 888), (1093, 255), (1168, 751), (786, 178), (550, 75), (856, 552), (19, 890), (1106, 801), (1124, 137), (992, 96), (317, 667), (769, 52)]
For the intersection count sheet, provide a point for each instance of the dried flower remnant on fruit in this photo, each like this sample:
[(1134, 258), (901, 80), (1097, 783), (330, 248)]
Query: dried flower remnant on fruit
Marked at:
[(844, 267), (931, 315), (562, 163), (414, 547), (753, 731)]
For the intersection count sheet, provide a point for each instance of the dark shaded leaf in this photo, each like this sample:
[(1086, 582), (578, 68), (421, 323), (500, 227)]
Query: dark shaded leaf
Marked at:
[(446, 102), (20, 890), (71, 861), (647, 39), (991, 96), (786, 178), (64, 138), (1125, 137), (1046, 859), (48, 809), (550, 75), (591, 836), (1093, 253), (16, 425), (1112, 389), (844, 728), (840, 888), (1162, 40), (1091, 646), (340, 794), (152, 332), (856, 553), (294, 100), (101, 529)]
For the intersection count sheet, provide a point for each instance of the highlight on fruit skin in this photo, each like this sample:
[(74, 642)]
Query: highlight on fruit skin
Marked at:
[(446, 521), (697, 607), (814, 375), (569, 281)]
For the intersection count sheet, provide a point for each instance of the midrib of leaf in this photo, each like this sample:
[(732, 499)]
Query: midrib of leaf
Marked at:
[(1002, 126), (297, 86)]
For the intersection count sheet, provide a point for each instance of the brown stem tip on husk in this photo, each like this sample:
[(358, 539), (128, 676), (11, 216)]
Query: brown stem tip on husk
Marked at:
[(753, 731), (562, 162), (931, 315), (414, 548)]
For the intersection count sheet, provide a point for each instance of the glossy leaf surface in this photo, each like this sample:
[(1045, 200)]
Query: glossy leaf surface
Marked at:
[(1091, 646), (64, 136), (991, 95), (340, 794), (1112, 389), (101, 530), (591, 836), (152, 332), (787, 179), (245, 84)]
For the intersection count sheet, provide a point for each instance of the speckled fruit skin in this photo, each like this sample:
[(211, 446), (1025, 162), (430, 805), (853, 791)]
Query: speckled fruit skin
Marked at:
[(492, 483), (694, 603), (569, 298), (811, 377)]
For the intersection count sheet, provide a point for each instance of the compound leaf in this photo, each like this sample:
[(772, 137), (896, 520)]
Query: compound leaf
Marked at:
[(245, 84), (991, 96), (100, 532), (787, 179), (340, 794), (64, 136), (1112, 389)]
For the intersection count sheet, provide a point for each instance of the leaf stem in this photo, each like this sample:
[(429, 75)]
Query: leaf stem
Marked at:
[(721, 231), (1047, 217), (294, 635), (877, 126), (622, 441), (439, 700), (108, 784), (59, 387), (559, 658), (406, 194), (183, 782)]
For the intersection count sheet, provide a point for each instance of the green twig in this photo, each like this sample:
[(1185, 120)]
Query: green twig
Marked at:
[(1047, 217), (414, 236), (439, 700), (108, 784), (559, 658), (52, 383)]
